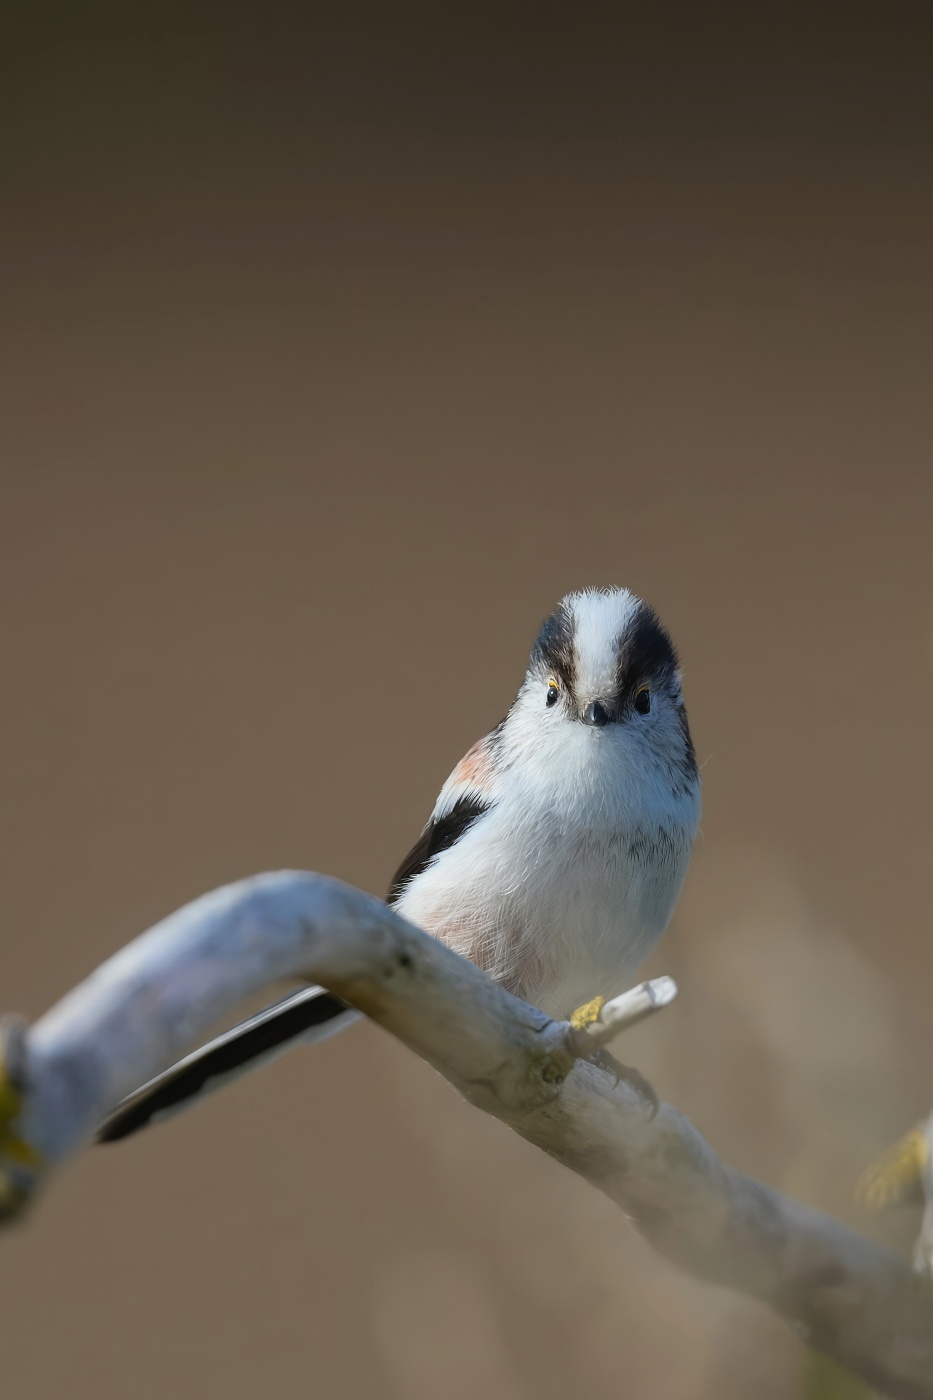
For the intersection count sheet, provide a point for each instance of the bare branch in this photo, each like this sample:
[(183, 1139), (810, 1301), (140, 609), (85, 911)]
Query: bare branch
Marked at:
[(137, 1013)]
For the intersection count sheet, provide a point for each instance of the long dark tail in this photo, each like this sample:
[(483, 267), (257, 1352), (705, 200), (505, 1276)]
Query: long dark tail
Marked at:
[(299, 1019)]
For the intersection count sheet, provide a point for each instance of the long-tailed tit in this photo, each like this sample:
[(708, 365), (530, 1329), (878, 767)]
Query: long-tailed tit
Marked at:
[(555, 852)]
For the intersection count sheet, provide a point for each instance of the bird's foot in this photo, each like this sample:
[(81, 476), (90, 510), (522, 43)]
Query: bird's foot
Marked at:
[(588, 1015), (626, 1074)]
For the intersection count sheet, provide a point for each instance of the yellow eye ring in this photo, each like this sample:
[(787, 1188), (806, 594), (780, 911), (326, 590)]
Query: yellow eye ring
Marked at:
[(553, 691)]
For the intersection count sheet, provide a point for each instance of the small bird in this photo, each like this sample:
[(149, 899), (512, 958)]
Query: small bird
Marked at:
[(555, 853)]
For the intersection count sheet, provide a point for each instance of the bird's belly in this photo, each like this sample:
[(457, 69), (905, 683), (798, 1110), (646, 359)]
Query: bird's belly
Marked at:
[(559, 921), (592, 921)]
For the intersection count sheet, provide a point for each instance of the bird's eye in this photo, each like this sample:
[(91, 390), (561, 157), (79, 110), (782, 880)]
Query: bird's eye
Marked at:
[(553, 691), (642, 700)]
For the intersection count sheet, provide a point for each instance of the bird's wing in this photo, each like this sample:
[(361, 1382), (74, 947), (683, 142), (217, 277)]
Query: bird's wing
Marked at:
[(467, 793), (311, 1014)]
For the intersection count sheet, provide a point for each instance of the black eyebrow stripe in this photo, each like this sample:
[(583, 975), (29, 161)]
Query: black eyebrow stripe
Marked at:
[(646, 652), (554, 647)]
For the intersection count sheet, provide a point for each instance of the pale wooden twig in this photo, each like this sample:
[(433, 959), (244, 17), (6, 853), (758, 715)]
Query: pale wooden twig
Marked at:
[(134, 1016), (622, 1012)]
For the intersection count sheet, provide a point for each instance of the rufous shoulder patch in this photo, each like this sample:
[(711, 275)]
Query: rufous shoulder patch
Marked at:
[(475, 768)]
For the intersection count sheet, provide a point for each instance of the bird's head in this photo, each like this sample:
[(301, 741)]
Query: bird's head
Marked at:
[(602, 694)]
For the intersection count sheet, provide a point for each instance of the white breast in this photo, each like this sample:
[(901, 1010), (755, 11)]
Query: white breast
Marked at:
[(564, 886)]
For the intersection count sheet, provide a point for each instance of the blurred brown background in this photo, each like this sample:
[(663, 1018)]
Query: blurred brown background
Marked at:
[(336, 347)]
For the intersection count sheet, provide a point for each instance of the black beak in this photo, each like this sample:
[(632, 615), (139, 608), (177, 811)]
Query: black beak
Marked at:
[(596, 714)]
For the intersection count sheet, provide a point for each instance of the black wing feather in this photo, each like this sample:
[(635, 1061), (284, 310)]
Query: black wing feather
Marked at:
[(437, 836)]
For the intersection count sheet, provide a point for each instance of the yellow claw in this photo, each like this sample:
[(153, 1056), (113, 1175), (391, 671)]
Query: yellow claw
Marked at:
[(587, 1014), (896, 1173)]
